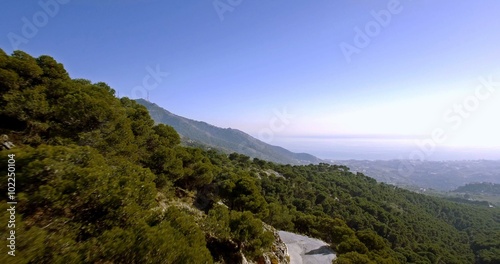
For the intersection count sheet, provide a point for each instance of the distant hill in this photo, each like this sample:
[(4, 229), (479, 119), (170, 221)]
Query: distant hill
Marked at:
[(226, 139), (480, 188), (438, 175), (97, 173)]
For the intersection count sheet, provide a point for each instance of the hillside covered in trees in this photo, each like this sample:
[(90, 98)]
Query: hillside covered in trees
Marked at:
[(227, 140), (98, 182), (480, 188)]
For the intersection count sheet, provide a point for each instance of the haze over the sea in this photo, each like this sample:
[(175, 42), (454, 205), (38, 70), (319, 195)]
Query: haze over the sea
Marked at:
[(381, 70), (383, 149)]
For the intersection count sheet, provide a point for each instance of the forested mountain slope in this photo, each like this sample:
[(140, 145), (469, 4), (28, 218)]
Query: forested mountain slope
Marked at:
[(480, 188), (228, 140), (98, 182)]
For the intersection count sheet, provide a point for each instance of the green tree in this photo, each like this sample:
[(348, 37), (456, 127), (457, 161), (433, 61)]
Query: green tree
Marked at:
[(218, 222), (249, 233), (371, 240), (246, 196), (353, 258), (352, 245)]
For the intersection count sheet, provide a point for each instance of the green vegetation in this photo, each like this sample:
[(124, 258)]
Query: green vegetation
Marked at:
[(201, 134), (98, 182), (480, 188), (392, 224)]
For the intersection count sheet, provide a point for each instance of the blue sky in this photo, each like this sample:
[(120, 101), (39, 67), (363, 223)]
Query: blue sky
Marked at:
[(269, 57)]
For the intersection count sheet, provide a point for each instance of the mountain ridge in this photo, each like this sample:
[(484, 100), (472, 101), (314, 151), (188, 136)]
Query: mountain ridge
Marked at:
[(96, 175), (228, 140)]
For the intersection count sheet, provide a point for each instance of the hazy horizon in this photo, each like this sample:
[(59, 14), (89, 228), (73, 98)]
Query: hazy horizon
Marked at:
[(345, 148), (279, 70), (96, 172)]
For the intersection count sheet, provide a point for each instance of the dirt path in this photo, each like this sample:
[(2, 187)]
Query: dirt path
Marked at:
[(306, 250)]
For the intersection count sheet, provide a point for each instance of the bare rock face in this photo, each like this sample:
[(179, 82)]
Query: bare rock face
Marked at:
[(278, 253), (244, 260), (229, 252), (5, 143)]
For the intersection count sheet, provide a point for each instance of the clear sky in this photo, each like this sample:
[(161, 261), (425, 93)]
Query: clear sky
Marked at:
[(280, 70)]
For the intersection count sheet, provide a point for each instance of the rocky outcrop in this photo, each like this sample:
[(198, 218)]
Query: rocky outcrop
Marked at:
[(5, 143), (278, 253), (228, 251)]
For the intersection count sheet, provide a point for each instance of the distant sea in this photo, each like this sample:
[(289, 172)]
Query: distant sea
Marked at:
[(380, 149)]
